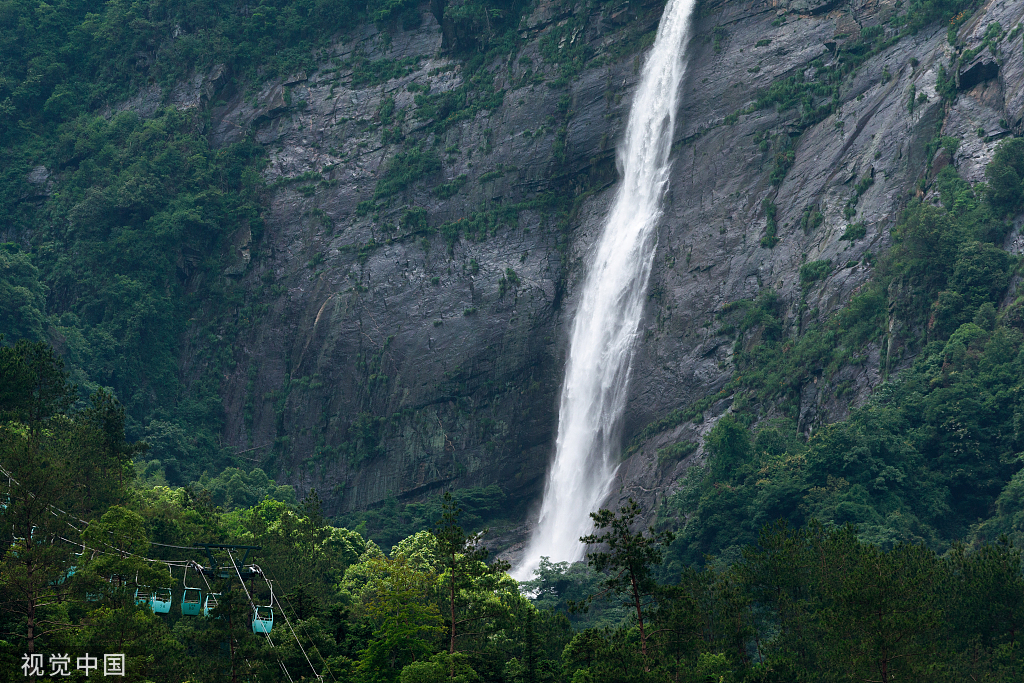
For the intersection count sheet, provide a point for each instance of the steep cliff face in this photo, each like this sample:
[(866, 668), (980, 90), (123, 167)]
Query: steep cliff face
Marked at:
[(710, 239), (430, 222)]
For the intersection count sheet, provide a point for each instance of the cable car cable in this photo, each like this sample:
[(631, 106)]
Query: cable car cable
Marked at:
[(312, 642), (327, 666), (181, 563), (253, 605), (319, 676), (209, 589)]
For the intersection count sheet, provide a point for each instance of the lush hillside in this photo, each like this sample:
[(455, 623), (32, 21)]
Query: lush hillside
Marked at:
[(933, 456), (812, 604)]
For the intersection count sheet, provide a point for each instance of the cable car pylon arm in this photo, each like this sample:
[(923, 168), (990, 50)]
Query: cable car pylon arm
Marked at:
[(217, 570)]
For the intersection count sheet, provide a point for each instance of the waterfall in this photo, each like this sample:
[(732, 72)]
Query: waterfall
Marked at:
[(605, 327)]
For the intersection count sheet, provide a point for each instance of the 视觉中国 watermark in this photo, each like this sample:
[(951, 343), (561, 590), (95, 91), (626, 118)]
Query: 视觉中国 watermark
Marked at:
[(60, 665)]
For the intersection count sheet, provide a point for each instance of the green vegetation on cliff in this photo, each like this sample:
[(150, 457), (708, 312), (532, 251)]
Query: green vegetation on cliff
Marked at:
[(127, 234), (126, 249), (933, 456)]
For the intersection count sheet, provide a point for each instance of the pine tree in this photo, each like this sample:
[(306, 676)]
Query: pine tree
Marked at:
[(629, 560), (465, 569)]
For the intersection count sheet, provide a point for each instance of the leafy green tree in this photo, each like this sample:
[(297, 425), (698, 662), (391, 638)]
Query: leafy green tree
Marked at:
[(629, 560), (444, 666), (885, 614), (984, 590), (301, 552), (680, 626), (568, 588), (235, 488), (468, 580), (34, 567), (22, 295), (33, 384), (47, 456), (120, 544), (395, 599), (150, 649), (606, 655), (782, 573)]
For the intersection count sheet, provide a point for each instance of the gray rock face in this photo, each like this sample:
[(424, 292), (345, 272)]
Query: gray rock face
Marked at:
[(720, 182), (389, 360)]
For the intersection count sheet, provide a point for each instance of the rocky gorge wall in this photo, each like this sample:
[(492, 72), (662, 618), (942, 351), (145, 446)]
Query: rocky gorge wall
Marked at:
[(416, 281)]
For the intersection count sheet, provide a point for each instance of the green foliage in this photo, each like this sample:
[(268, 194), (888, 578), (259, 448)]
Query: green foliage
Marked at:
[(854, 232), (482, 224), (440, 668), (367, 73), (770, 239), (811, 219), (850, 210), (393, 521), (784, 160), (452, 187), (945, 83), (567, 47), (571, 589), (509, 281), (61, 465), (676, 451), (931, 454), (61, 61), (234, 489), (405, 169), (812, 271), (483, 27), (718, 36), (22, 295), (993, 34), (628, 558), (817, 97), (382, 11), (142, 209), (1005, 174), (845, 607), (33, 384), (924, 460), (414, 219), (476, 93), (816, 602)]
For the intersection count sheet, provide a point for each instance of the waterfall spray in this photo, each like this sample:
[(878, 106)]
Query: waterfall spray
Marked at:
[(605, 327)]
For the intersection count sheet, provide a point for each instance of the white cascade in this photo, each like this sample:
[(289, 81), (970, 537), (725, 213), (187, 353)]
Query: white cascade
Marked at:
[(605, 327)]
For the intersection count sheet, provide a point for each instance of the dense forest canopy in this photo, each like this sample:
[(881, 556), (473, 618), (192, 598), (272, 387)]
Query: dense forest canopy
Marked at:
[(811, 604)]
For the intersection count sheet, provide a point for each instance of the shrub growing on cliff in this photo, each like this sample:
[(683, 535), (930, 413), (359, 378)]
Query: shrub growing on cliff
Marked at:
[(1005, 176), (812, 271), (404, 169)]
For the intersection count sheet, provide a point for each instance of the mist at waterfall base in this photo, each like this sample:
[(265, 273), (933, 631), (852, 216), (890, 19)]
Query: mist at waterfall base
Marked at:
[(611, 305)]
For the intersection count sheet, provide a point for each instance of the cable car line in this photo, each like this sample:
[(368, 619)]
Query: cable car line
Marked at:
[(311, 641), (209, 589), (195, 565), (274, 599), (265, 633), (185, 564)]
